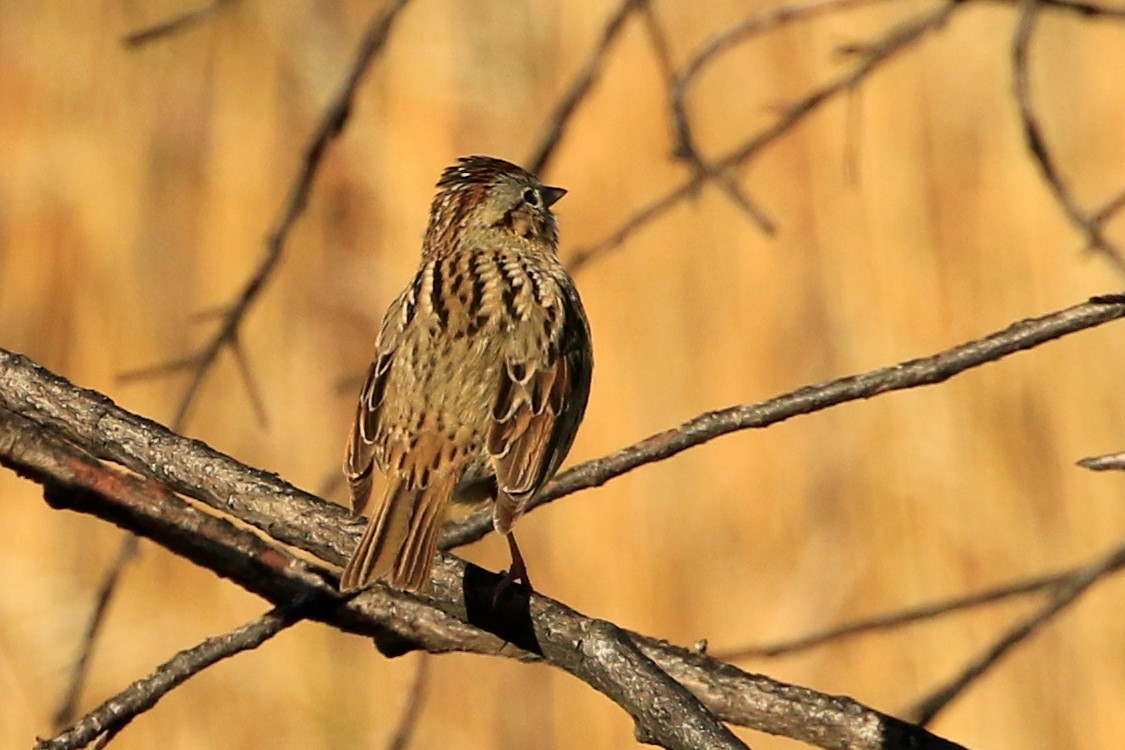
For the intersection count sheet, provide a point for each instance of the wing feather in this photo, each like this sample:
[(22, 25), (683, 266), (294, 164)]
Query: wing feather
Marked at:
[(364, 444), (536, 416)]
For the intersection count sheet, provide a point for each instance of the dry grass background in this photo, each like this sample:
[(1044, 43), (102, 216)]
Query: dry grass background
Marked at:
[(136, 189)]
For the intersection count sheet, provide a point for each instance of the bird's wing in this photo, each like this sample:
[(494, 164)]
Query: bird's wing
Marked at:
[(540, 402), (364, 444)]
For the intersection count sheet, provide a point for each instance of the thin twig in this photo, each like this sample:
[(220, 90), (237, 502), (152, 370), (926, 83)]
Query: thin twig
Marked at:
[(583, 83), (1115, 461), (1086, 10), (331, 124), (936, 368), (896, 619), (1068, 593), (172, 25), (875, 54), (1090, 226), (68, 707), (756, 23), (412, 705), (115, 714), (685, 149), (1111, 207)]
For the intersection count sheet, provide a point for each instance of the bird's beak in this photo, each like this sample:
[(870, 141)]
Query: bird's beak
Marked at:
[(551, 195)]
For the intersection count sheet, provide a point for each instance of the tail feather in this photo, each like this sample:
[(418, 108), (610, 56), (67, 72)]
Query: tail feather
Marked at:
[(399, 543)]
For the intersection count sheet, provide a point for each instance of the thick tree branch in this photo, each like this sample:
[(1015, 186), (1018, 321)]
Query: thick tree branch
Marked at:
[(41, 409)]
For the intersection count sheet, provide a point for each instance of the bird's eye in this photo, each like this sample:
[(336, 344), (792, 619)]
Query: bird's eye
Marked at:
[(530, 197)]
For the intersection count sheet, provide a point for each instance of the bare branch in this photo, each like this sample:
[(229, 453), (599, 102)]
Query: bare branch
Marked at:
[(173, 25), (1112, 206), (583, 83), (412, 706), (1066, 594), (890, 620), (1089, 225), (1086, 10), (108, 719), (1114, 461), (331, 124), (829, 721), (458, 615), (936, 368), (874, 55), (68, 708), (756, 23), (685, 146)]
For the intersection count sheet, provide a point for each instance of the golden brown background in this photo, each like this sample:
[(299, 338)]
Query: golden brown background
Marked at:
[(136, 189)]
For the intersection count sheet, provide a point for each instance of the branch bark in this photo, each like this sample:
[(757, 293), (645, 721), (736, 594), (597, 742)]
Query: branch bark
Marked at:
[(937, 368), (54, 433)]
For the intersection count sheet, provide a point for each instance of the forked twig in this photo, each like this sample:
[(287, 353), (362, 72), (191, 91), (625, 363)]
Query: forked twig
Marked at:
[(873, 56), (1066, 594), (331, 124), (756, 23), (1089, 225)]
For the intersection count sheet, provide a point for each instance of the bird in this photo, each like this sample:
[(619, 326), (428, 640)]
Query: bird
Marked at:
[(480, 378)]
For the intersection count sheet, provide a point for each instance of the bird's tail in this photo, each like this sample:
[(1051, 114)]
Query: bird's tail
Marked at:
[(399, 543)]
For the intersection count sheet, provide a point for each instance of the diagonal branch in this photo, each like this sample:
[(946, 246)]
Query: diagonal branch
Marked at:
[(898, 39), (899, 618), (936, 368), (108, 719), (68, 709), (1089, 225), (1067, 594), (173, 24), (331, 124), (46, 404), (458, 615), (756, 23), (583, 83)]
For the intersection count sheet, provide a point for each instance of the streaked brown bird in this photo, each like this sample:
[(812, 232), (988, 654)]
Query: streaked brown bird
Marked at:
[(481, 374)]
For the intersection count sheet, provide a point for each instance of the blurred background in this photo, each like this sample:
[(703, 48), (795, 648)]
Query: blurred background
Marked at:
[(136, 190)]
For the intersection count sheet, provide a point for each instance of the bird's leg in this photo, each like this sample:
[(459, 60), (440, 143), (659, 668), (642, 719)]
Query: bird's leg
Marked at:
[(518, 571)]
